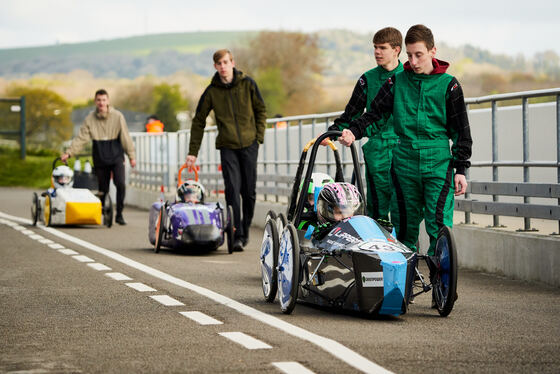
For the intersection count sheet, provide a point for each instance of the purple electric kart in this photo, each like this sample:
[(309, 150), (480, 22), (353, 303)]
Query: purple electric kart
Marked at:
[(200, 226)]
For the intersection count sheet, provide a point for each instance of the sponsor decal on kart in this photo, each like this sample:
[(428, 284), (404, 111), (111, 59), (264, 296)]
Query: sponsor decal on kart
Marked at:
[(372, 279), (338, 233)]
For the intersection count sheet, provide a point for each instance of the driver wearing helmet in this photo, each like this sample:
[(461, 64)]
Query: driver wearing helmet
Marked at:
[(62, 177), (309, 214), (336, 201), (190, 192)]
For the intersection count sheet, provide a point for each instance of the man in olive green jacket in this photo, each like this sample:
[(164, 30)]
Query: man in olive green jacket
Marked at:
[(240, 117)]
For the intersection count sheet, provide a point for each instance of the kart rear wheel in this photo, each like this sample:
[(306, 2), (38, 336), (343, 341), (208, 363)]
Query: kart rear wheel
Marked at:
[(288, 269), (159, 229), (230, 228), (35, 209), (48, 210), (270, 215), (445, 277), (281, 222), (269, 260), (107, 211)]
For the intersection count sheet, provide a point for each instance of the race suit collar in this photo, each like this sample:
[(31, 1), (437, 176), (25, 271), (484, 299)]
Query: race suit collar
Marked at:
[(440, 66)]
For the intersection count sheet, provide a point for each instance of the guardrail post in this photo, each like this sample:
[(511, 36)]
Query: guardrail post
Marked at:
[(558, 146), (496, 219), (526, 199)]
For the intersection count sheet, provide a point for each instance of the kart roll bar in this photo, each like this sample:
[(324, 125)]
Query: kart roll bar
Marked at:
[(191, 170), (295, 210)]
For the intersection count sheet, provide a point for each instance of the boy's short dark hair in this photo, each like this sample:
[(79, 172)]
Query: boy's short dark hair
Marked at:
[(220, 53), (420, 33), (388, 35), (101, 92)]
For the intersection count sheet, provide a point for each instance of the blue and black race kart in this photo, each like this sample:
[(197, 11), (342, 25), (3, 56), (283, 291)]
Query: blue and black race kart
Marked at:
[(358, 265)]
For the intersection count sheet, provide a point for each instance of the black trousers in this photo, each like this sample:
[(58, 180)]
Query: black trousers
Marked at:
[(239, 169), (104, 178)]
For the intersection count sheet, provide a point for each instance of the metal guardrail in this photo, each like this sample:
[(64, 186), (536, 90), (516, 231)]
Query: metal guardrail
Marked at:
[(160, 156)]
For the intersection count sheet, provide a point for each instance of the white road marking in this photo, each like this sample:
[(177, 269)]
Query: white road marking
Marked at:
[(140, 287), (83, 258), (20, 228), (98, 266), (245, 340), (56, 246), (46, 241), (27, 231), (330, 346), (118, 276), (218, 262), (35, 236), (292, 368), (68, 252), (166, 300), (201, 318)]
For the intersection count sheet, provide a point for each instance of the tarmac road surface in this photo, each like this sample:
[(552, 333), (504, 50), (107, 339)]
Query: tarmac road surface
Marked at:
[(65, 308)]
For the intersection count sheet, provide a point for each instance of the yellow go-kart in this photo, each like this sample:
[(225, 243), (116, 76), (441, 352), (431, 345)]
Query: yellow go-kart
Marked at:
[(62, 204)]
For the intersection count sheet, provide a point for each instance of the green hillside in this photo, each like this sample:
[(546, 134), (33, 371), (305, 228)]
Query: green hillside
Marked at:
[(192, 42)]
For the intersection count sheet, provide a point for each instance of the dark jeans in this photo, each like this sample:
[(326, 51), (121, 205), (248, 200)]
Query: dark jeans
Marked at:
[(239, 169), (104, 178)]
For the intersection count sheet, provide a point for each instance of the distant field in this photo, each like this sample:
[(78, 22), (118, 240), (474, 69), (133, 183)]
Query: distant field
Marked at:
[(194, 42)]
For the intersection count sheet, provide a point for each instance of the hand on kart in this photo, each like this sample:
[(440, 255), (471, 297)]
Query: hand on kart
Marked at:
[(190, 162), (460, 184), (347, 138), (64, 157), (132, 162)]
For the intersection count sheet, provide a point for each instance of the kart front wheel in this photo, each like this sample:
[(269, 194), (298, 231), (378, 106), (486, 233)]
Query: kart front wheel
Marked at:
[(35, 209), (107, 211), (444, 281), (270, 215), (269, 260), (48, 210), (230, 228), (288, 269), (159, 229)]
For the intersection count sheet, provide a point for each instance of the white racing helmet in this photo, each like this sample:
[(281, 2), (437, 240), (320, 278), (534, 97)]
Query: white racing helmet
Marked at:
[(62, 177), (188, 189)]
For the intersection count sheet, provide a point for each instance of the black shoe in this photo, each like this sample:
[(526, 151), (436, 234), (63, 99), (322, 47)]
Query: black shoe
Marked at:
[(245, 241), (238, 245), (120, 220)]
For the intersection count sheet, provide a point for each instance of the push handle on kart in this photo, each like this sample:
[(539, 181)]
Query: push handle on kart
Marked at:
[(190, 170), (330, 143)]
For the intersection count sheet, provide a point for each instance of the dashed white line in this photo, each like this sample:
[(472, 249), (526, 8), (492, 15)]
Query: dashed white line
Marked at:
[(27, 231), (83, 258), (201, 318), (56, 246), (140, 287), (331, 346), (45, 241), (20, 228), (118, 276), (166, 300), (68, 251), (245, 340), (292, 368), (98, 266), (36, 236)]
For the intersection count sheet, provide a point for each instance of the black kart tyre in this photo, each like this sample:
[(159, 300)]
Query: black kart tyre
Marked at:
[(107, 211), (288, 269), (270, 215), (159, 229), (230, 229), (445, 277), (35, 209), (269, 260)]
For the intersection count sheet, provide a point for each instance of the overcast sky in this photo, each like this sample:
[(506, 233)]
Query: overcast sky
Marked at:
[(509, 27)]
